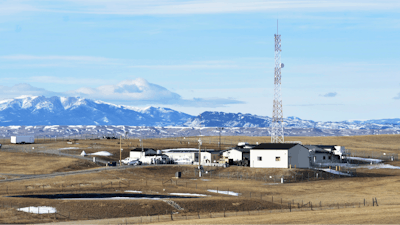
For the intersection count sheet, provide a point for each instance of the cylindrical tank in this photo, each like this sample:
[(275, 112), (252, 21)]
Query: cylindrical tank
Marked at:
[(158, 152)]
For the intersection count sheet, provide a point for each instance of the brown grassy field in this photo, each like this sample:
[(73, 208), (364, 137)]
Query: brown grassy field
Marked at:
[(382, 184), (28, 163), (369, 215)]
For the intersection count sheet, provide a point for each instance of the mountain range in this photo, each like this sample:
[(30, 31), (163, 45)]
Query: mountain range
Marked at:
[(40, 110)]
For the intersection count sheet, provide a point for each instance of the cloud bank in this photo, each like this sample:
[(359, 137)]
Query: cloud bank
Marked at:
[(127, 92), (165, 7), (24, 89)]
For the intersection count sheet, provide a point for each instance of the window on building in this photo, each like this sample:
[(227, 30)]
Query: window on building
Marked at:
[(278, 158), (323, 157), (259, 158), (329, 157)]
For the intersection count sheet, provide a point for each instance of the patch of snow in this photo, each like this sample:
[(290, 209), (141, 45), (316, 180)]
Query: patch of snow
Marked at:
[(335, 172), (224, 192), (68, 148), (83, 153), (133, 191), (188, 194), (380, 166), (101, 153), (38, 210), (365, 159)]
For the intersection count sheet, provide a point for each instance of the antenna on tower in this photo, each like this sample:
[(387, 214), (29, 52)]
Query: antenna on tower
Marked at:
[(277, 135)]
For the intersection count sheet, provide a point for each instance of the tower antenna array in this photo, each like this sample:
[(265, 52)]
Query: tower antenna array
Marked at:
[(277, 112)]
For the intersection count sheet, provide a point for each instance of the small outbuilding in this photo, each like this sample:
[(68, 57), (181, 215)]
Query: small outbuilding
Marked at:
[(279, 155), (238, 153), (138, 153)]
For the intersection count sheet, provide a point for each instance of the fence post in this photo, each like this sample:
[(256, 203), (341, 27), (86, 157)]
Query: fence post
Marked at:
[(376, 201), (364, 201)]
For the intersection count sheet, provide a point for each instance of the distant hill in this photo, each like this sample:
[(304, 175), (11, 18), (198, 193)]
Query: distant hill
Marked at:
[(39, 110)]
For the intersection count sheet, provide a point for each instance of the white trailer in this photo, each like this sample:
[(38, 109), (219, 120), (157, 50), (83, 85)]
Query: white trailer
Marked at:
[(22, 139)]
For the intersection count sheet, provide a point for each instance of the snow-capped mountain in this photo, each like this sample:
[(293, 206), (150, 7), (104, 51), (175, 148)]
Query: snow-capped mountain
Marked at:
[(221, 119), (39, 110)]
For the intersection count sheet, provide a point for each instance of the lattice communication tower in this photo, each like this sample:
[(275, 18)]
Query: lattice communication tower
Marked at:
[(277, 113)]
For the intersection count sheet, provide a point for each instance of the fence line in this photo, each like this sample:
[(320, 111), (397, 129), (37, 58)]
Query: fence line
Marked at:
[(283, 207)]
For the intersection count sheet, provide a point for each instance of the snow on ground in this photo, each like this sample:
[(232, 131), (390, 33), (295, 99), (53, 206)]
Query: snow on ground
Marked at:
[(380, 166), (335, 172), (101, 153), (224, 192), (133, 191), (188, 194), (365, 159), (38, 210), (68, 148)]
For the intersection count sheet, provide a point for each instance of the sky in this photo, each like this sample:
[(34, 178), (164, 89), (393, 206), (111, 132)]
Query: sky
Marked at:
[(342, 58)]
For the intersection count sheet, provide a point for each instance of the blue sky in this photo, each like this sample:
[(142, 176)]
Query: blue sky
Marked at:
[(341, 58)]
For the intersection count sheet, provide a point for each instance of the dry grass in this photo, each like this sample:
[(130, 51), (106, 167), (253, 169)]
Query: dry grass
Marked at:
[(369, 215), (27, 163), (382, 184)]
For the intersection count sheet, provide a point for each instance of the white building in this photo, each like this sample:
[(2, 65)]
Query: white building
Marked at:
[(210, 156), (155, 159), (22, 139), (182, 155), (325, 154), (137, 153), (276, 155), (239, 153)]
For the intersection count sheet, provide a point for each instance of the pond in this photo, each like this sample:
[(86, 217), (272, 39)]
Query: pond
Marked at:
[(102, 196)]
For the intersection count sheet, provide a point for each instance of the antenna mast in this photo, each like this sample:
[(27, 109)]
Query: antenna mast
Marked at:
[(277, 135)]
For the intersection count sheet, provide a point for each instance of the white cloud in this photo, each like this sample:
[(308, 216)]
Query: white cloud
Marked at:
[(57, 57), (23, 89), (193, 65), (329, 95), (67, 80), (139, 91), (132, 7), (58, 60), (127, 92), (156, 7)]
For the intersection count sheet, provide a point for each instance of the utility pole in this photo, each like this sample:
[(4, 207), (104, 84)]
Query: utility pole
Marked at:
[(277, 135), (219, 143), (200, 143), (120, 150)]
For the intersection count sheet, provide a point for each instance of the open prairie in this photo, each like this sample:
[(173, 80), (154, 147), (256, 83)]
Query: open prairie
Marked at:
[(243, 195)]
